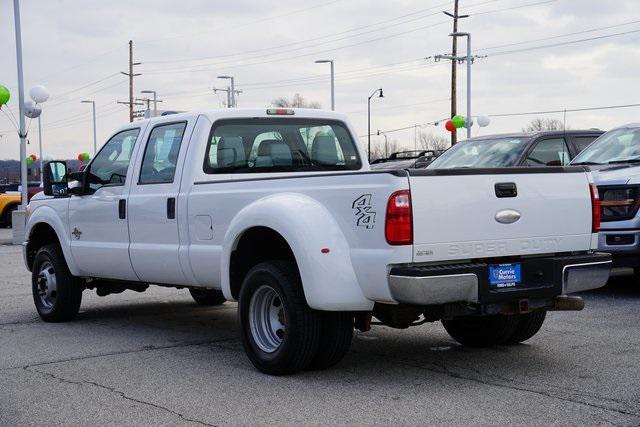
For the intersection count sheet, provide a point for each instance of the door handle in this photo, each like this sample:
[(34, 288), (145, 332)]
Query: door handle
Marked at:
[(506, 189), (122, 209), (171, 208)]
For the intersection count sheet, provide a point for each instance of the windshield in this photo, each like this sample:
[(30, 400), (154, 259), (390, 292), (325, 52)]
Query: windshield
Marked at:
[(280, 145), (621, 145), (482, 153)]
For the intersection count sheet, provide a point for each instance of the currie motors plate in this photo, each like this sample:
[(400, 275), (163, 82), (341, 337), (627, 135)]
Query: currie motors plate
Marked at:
[(505, 275)]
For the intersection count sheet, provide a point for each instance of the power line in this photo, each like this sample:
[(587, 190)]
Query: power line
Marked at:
[(526, 113), (527, 49), (235, 27), (592, 30)]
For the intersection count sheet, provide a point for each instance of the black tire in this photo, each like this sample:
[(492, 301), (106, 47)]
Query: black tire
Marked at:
[(8, 219), (528, 325), (336, 333), (207, 296), (482, 331), (50, 272), (296, 341)]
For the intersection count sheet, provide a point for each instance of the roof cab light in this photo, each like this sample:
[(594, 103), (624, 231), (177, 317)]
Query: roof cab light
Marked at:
[(280, 111), (398, 227), (595, 209)]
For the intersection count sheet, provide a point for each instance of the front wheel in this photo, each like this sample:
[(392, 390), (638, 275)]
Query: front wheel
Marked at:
[(56, 293), (8, 217), (280, 332)]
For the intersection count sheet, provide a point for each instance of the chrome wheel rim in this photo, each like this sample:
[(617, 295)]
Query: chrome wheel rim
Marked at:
[(47, 285), (267, 319)]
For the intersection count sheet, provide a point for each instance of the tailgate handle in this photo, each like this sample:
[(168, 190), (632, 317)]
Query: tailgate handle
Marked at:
[(506, 189)]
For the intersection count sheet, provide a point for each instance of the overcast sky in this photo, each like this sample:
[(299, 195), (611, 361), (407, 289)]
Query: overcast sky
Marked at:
[(78, 47)]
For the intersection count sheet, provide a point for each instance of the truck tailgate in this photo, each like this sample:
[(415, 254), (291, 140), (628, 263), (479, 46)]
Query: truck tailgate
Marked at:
[(469, 214)]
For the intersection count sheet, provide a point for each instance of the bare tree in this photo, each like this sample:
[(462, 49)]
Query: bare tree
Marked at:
[(297, 101), (430, 141), (539, 124)]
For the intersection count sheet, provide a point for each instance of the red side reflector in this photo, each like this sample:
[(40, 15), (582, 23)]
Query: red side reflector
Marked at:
[(398, 226), (595, 208), (280, 112)]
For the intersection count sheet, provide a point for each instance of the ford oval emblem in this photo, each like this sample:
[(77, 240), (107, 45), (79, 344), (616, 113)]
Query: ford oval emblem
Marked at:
[(507, 216)]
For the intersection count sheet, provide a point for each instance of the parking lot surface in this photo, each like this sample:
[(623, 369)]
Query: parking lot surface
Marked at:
[(157, 358)]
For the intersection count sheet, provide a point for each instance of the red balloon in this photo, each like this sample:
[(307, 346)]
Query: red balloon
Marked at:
[(34, 157), (80, 156), (450, 127)]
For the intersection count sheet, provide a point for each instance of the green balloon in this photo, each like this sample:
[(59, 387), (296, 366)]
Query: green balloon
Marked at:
[(458, 121), (86, 157), (5, 95), (29, 161)]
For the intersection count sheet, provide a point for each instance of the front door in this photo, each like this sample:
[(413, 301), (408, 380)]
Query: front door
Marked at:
[(153, 205), (97, 222)]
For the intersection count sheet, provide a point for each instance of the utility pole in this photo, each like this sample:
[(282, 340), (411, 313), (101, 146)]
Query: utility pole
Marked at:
[(131, 75), (454, 53), (231, 94)]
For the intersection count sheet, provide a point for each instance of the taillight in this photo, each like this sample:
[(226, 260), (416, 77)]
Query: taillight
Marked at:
[(398, 226), (595, 209)]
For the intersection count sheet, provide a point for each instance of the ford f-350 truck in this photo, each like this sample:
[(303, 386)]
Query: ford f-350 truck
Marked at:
[(278, 209)]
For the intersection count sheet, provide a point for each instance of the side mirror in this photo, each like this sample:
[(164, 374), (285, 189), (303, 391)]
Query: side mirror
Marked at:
[(54, 179)]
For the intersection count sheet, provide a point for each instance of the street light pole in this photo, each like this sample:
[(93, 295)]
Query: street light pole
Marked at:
[(95, 137), (469, 60), (155, 100), (22, 132), (40, 148), (386, 144), (369, 120), (333, 86)]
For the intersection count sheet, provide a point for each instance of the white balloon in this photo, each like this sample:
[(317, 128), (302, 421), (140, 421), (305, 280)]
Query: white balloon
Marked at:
[(39, 94), (468, 122), (32, 110), (483, 121)]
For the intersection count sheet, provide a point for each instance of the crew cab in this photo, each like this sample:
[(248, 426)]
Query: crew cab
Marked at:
[(543, 148), (614, 160), (278, 210)]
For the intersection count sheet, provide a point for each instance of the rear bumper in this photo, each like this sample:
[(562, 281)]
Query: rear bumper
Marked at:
[(542, 278), (623, 245)]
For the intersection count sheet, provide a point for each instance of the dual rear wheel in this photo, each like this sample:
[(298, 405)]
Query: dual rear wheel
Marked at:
[(485, 331), (281, 334)]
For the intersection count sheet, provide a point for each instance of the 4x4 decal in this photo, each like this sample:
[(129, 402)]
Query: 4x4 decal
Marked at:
[(365, 217)]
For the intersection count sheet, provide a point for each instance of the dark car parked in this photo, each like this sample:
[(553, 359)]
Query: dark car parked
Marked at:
[(414, 159), (544, 148)]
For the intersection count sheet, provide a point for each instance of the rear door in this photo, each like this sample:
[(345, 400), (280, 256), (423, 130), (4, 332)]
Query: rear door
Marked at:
[(153, 204), (482, 213)]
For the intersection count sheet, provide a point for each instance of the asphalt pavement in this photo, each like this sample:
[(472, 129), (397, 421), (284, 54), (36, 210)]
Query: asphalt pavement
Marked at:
[(156, 358)]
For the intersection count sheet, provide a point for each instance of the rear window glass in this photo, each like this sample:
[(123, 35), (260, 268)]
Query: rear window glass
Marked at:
[(280, 145)]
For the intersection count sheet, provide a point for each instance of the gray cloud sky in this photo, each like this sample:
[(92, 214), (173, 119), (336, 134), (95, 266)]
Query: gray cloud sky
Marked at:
[(184, 45)]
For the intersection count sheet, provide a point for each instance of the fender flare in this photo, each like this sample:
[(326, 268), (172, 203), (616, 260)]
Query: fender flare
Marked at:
[(47, 215), (328, 279)]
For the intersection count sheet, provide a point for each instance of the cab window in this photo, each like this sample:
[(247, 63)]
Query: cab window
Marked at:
[(549, 152), (280, 145), (161, 154), (110, 165)]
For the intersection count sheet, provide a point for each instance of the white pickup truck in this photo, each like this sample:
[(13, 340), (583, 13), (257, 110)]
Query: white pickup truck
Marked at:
[(278, 209)]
